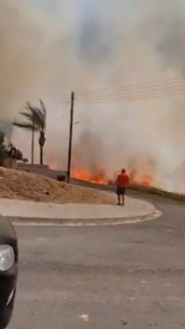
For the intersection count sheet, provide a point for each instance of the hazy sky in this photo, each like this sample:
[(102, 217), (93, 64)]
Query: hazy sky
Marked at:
[(100, 24), (49, 47)]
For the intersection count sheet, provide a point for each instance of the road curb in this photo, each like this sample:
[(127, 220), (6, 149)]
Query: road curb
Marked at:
[(28, 221)]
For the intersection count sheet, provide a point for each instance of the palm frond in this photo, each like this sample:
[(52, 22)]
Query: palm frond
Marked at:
[(38, 115), (25, 125), (27, 115), (34, 112), (43, 108), (35, 118)]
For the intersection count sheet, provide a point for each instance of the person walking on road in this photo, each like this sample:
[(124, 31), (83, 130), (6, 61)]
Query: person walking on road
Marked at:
[(122, 182)]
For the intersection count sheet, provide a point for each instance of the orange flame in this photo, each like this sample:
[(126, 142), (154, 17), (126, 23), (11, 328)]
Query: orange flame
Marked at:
[(83, 174), (144, 180), (99, 177)]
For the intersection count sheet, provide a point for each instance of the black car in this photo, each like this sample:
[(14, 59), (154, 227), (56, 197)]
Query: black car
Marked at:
[(8, 271)]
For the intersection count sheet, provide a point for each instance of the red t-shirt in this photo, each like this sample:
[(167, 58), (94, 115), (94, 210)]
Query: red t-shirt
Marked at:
[(122, 180)]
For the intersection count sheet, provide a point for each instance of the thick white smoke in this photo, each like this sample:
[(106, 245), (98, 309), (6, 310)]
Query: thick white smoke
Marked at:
[(48, 50)]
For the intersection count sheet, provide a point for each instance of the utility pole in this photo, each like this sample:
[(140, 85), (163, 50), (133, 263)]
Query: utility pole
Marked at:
[(32, 143), (70, 137)]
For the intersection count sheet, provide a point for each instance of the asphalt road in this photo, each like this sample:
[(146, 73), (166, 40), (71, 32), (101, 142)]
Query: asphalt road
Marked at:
[(130, 276)]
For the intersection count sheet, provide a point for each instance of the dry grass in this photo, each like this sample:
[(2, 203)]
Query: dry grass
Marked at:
[(157, 191), (143, 190), (16, 184)]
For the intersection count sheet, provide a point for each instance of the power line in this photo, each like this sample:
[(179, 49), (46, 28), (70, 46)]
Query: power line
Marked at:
[(129, 96), (156, 89), (173, 82), (136, 94), (111, 100)]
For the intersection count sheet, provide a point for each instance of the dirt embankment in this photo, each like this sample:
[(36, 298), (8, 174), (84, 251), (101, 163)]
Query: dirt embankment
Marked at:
[(16, 184)]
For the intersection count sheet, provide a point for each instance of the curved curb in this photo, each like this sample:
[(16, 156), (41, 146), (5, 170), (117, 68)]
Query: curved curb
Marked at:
[(87, 222)]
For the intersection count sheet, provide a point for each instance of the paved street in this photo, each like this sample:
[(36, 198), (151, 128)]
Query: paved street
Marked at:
[(128, 276)]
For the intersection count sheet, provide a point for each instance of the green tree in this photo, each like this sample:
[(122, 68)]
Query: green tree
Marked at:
[(34, 121)]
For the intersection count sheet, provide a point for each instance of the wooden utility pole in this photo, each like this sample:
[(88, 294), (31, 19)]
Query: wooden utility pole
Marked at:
[(32, 143), (70, 137)]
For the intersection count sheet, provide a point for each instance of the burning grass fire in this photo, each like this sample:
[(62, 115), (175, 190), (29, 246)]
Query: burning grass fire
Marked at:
[(100, 177), (144, 181), (85, 175)]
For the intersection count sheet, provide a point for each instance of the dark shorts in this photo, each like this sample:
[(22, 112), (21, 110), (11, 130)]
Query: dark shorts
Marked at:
[(120, 190)]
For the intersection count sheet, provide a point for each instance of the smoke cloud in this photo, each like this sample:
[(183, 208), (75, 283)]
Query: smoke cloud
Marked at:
[(48, 48)]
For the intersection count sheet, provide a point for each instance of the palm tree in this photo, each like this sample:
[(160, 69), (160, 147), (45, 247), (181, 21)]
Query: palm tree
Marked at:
[(35, 122)]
